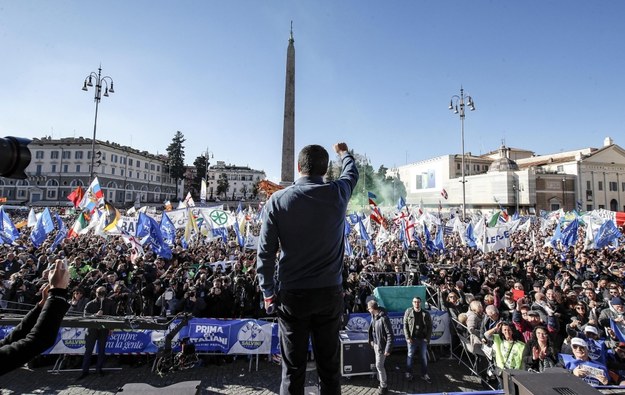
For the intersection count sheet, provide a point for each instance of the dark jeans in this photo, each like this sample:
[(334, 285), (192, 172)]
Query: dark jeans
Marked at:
[(90, 339), (314, 313)]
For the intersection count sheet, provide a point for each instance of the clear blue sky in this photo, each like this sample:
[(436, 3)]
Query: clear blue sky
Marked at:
[(545, 75)]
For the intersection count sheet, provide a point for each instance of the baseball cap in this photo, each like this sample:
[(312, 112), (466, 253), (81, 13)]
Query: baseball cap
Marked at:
[(576, 341), (616, 301), (533, 312), (591, 329)]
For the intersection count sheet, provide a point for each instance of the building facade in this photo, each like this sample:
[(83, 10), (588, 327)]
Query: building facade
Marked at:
[(241, 181), (584, 179), (58, 166)]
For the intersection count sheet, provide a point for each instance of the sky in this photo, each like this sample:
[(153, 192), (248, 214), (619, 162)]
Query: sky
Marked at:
[(545, 75)]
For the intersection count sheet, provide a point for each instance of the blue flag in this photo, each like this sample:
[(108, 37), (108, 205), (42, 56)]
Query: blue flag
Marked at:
[(168, 230), (44, 226), (237, 231), (61, 232), (401, 203), (608, 232), (429, 244), (439, 242), (470, 236), (569, 234), (363, 232), (557, 235), (371, 195), (8, 231), (221, 232), (147, 226), (348, 248)]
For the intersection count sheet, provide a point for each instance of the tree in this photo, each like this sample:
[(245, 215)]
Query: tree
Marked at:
[(330, 173), (222, 185), (200, 167), (175, 154), (255, 189)]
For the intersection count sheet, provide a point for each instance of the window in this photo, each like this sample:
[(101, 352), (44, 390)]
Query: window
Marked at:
[(588, 186), (600, 186), (589, 207), (623, 187), (613, 185), (65, 168), (121, 172), (601, 206), (145, 165), (38, 171), (130, 161), (158, 178), (560, 169), (78, 155), (457, 166), (67, 154), (53, 168), (152, 167), (54, 155), (103, 156), (77, 168), (145, 176), (589, 195), (21, 193), (555, 207), (130, 173), (38, 154), (138, 163), (51, 194), (158, 168)]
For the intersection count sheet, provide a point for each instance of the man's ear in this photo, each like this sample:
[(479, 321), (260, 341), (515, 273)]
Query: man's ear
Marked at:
[(299, 168)]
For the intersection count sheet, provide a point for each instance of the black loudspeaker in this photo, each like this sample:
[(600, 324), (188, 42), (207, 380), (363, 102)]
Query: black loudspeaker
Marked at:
[(357, 356), (182, 388), (554, 381)]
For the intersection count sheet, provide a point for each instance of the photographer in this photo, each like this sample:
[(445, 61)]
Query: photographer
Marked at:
[(21, 295), (39, 328), (192, 304)]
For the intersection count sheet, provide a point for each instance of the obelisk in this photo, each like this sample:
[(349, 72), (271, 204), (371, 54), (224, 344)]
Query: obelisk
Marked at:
[(288, 130)]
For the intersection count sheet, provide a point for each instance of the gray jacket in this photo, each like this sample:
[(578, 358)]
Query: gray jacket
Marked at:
[(381, 331)]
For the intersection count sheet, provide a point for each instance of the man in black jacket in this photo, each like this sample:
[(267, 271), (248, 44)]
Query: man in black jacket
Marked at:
[(381, 339), (100, 307), (39, 328), (418, 330)]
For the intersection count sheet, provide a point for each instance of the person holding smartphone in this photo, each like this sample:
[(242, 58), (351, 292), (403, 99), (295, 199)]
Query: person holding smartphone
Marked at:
[(39, 328)]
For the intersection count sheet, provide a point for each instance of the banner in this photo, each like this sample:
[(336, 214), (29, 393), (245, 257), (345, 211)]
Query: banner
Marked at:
[(215, 216), (208, 335), (497, 238), (247, 336), (441, 335)]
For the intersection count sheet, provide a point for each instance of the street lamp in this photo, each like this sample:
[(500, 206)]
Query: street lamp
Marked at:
[(108, 88), (517, 189), (564, 193), (365, 163), (457, 104)]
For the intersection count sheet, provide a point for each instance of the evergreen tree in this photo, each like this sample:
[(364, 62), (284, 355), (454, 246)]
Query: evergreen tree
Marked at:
[(222, 185), (200, 164), (175, 153), (330, 172)]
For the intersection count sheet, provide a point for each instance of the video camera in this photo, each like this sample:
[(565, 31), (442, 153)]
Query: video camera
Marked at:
[(14, 157), (416, 257)]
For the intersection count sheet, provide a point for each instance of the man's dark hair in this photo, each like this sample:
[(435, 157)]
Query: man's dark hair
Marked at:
[(313, 160)]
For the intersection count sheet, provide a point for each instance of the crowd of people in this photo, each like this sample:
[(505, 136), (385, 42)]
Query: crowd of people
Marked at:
[(530, 305)]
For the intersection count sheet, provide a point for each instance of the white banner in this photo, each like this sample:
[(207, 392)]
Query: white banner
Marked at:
[(215, 216), (497, 238)]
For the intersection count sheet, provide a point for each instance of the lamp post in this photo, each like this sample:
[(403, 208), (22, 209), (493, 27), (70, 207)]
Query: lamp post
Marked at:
[(457, 105), (365, 163), (517, 189), (99, 82), (564, 193)]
